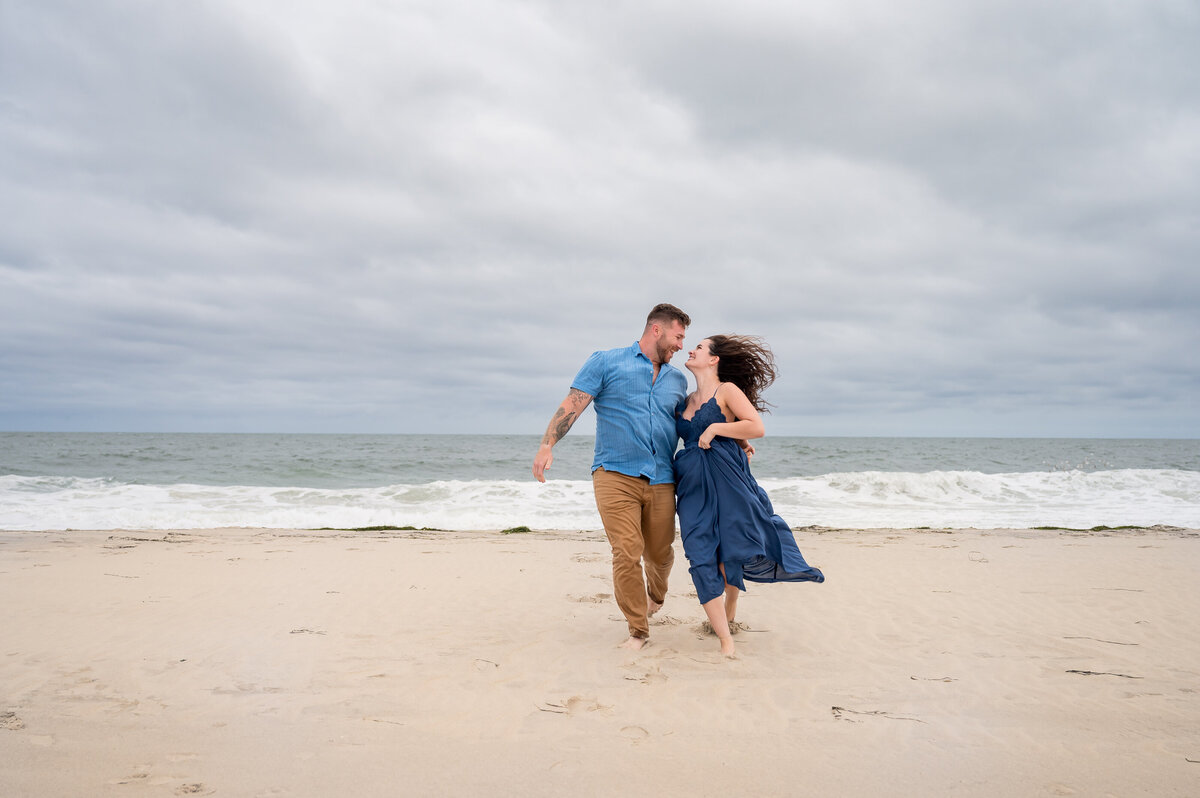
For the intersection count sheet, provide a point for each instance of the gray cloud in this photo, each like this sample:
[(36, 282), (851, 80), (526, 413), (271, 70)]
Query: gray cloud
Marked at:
[(946, 219)]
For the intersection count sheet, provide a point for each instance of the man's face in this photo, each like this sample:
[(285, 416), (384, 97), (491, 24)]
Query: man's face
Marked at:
[(670, 341)]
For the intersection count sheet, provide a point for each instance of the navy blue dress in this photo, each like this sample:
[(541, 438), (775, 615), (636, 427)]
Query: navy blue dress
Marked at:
[(724, 516)]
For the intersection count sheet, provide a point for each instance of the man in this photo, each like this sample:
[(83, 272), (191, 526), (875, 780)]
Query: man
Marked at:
[(636, 391)]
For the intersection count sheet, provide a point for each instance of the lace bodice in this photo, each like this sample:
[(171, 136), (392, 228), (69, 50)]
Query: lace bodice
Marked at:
[(690, 429)]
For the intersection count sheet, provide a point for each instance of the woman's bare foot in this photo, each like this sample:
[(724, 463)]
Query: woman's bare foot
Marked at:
[(634, 643), (715, 610)]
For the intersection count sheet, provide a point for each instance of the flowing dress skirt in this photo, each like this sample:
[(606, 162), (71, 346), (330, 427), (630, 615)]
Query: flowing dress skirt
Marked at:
[(726, 517)]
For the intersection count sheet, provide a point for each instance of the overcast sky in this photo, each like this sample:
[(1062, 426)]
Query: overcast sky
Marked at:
[(946, 218)]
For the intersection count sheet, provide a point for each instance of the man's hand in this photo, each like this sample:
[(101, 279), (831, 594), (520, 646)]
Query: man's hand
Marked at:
[(543, 460), (566, 414)]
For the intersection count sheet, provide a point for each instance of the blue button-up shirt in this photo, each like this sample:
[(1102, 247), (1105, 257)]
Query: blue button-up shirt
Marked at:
[(635, 413)]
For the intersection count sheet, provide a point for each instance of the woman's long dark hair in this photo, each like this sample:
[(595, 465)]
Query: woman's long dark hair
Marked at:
[(747, 362)]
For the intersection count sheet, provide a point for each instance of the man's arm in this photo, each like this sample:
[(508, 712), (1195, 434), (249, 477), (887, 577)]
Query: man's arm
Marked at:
[(564, 417)]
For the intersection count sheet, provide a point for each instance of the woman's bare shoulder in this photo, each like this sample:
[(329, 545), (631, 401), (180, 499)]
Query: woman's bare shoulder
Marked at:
[(728, 389)]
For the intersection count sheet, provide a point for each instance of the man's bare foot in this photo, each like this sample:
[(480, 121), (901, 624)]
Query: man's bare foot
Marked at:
[(652, 606), (634, 643)]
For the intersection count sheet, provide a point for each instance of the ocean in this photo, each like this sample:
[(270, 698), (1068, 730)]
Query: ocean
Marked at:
[(458, 482)]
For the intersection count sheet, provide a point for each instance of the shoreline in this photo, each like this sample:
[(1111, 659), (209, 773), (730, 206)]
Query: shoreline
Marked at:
[(402, 531), (260, 661)]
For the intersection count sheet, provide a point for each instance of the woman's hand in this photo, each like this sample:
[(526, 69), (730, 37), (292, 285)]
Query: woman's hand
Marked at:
[(707, 436)]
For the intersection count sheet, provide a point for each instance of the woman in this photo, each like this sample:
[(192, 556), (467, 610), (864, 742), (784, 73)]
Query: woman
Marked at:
[(730, 531)]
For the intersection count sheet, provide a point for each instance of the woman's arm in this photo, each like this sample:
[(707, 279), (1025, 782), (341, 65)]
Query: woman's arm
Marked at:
[(748, 422)]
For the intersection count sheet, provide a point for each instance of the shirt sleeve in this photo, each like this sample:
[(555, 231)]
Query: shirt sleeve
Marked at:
[(590, 378)]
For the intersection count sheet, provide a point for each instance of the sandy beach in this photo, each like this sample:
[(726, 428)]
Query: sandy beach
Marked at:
[(249, 662)]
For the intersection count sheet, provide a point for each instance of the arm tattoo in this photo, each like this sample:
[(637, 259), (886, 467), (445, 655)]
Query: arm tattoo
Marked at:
[(559, 425), (564, 419)]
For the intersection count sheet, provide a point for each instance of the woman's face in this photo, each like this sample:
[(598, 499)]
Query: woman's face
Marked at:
[(700, 356)]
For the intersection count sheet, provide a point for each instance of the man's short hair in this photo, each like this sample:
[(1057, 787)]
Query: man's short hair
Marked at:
[(666, 313)]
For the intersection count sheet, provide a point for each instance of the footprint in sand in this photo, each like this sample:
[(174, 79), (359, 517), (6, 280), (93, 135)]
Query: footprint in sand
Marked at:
[(10, 721), (704, 629), (634, 733), (589, 558), (652, 676), (595, 598)]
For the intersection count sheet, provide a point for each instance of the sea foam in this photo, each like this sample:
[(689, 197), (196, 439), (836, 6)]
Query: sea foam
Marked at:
[(864, 499)]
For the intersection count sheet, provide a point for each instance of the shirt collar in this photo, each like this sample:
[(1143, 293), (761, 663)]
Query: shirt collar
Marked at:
[(637, 351)]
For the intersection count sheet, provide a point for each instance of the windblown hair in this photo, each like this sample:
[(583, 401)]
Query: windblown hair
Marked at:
[(747, 362), (668, 313)]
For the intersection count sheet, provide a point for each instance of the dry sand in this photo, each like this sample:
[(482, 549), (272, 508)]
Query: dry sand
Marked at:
[(292, 663)]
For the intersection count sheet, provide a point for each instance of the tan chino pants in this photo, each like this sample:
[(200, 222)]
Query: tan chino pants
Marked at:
[(639, 519)]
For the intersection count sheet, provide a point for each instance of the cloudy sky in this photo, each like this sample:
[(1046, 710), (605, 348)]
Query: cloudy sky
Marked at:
[(946, 218)]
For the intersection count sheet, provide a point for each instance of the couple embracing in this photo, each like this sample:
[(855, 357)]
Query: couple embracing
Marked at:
[(730, 531)]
